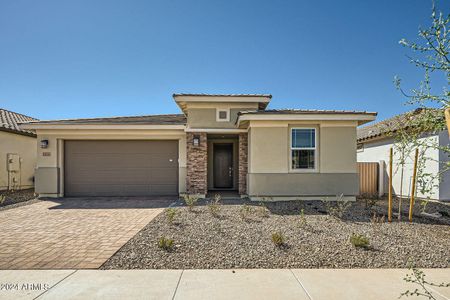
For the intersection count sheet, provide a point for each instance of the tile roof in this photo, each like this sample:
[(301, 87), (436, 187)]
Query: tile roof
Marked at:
[(9, 122), (389, 125), (170, 119), (223, 95), (305, 111)]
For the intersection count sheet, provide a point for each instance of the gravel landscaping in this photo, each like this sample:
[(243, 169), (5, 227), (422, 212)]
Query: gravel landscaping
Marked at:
[(241, 237), (11, 199)]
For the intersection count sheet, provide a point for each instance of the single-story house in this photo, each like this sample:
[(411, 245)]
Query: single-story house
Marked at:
[(17, 152), (218, 143), (375, 140)]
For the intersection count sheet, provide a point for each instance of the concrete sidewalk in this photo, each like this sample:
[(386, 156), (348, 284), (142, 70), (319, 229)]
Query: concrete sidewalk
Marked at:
[(214, 284)]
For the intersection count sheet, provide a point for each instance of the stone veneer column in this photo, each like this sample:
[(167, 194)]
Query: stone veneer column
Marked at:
[(243, 162), (196, 164)]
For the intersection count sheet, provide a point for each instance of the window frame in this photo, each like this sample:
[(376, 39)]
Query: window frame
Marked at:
[(219, 110), (316, 150)]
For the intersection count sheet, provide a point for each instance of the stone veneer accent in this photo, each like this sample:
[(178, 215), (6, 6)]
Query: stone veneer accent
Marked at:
[(196, 165), (243, 162)]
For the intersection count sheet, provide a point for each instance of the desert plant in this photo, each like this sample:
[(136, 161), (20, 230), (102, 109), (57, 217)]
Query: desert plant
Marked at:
[(190, 201), (170, 214), (303, 221), (165, 243), (262, 210), (2, 199), (338, 209), (278, 239), (215, 205), (4, 195), (418, 277), (245, 211), (359, 241), (377, 221)]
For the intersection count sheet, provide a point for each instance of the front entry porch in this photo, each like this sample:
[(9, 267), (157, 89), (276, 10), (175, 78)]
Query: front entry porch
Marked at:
[(216, 163), (222, 162)]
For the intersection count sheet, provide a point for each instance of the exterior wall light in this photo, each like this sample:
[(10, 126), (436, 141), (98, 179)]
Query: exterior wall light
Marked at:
[(196, 141), (44, 144)]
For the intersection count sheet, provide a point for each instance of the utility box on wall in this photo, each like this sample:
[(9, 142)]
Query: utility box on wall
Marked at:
[(13, 162)]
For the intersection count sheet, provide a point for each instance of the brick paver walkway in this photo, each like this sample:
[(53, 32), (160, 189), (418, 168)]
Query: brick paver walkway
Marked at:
[(71, 233)]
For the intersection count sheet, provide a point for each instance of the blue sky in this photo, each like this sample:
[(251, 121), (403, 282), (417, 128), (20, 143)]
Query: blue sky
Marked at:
[(70, 59)]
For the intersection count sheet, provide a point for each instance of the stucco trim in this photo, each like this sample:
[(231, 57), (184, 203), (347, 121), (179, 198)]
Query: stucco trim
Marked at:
[(215, 130)]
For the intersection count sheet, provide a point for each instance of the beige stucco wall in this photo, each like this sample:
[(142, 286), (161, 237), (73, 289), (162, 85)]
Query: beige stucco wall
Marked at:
[(54, 163), (337, 149), (25, 147), (270, 172), (204, 115)]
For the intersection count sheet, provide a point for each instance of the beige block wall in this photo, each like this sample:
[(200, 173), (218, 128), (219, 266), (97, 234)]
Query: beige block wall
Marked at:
[(269, 156), (24, 146), (54, 154)]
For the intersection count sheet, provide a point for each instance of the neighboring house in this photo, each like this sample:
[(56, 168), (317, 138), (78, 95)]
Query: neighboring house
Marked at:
[(17, 152), (219, 142), (374, 142)]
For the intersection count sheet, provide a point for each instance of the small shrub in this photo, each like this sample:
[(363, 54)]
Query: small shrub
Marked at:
[(215, 205), (303, 221), (278, 239), (359, 241), (338, 210), (165, 244), (245, 211), (190, 201), (377, 221), (262, 210), (170, 214), (4, 195)]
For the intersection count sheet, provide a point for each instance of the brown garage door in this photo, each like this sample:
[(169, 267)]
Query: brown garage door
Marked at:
[(121, 168)]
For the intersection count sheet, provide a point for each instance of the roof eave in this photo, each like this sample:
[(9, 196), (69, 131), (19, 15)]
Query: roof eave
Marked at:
[(182, 99), (48, 126), (360, 118), (24, 133)]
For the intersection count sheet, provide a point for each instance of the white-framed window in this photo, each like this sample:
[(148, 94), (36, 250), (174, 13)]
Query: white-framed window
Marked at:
[(222, 115), (304, 149)]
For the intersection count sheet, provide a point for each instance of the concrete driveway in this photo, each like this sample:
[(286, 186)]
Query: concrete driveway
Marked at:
[(75, 233)]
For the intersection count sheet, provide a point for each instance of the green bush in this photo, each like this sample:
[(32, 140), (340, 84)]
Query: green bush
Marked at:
[(190, 201), (165, 244), (359, 241), (339, 208), (278, 239), (170, 214)]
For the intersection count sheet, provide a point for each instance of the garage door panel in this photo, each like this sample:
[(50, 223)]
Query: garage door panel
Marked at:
[(129, 176), (121, 168), (113, 161)]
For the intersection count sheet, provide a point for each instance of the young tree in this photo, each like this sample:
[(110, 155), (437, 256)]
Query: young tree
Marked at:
[(432, 55)]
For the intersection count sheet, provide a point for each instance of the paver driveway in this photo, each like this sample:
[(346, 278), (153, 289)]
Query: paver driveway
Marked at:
[(71, 233)]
